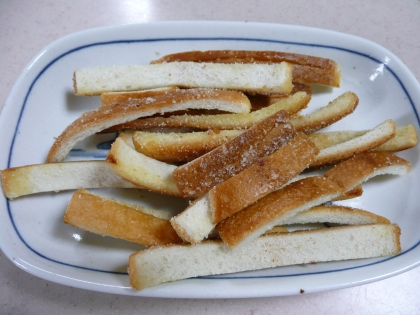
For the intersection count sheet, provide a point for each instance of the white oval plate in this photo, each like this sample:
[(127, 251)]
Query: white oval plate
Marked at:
[(42, 104)]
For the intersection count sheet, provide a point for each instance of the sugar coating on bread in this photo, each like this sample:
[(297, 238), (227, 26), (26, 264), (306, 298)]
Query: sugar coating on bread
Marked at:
[(175, 262), (258, 78)]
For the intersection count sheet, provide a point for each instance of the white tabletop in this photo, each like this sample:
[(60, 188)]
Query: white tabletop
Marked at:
[(27, 26)]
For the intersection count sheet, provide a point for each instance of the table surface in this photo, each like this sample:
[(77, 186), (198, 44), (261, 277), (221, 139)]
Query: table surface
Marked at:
[(27, 26)]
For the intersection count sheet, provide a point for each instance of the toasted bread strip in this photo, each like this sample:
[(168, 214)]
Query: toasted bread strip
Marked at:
[(198, 220), (306, 69), (405, 138), (186, 146), (227, 160), (115, 98), (279, 206), (365, 166), (32, 179), (340, 107), (162, 264), (99, 119), (256, 78), (259, 101), (372, 139), (291, 104), (181, 147), (107, 217), (139, 169), (337, 215)]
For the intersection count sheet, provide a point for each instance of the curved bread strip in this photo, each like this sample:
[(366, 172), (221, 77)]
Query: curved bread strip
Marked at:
[(139, 169), (278, 207), (340, 107), (198, 220), (372, 139), (366, 165), (291, 104), (102, 118), (115, 98), (107, 217), (31, 179), (162, 264), (227, 160), (256, 78), (306, 69), (337, 215)]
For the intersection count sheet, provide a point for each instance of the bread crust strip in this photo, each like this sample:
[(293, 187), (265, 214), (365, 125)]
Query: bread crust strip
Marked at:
[(198, 220), (184, 147), (291, 104), (139, 169), (255, 78), (306, 69), (337, 109), (281, 205), (37, 178), (102, 118), (162, 264), (337, 215), (200, 175), (107, 217)]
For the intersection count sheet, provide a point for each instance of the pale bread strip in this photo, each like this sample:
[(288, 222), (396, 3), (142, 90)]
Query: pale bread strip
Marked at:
[(227, 160), (162, 264), (107, 217), (32, 179), (99, 119), (185, 146), (291, 104), (337, 215), (306, 69), (139, 169), (256, 78), (279, 206), (115, 98), (199, 219), (372, 139)]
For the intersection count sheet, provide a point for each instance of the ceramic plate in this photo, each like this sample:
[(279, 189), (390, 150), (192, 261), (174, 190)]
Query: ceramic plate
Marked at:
[(42, 104)]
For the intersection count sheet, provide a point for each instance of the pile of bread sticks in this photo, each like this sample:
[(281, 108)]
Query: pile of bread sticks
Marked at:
[(224, 130)]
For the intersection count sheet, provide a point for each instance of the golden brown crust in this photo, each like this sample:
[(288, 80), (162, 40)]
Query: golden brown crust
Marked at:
[(203, 173), (107, 217), (306, 69), (262, 177), (281, 203)]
